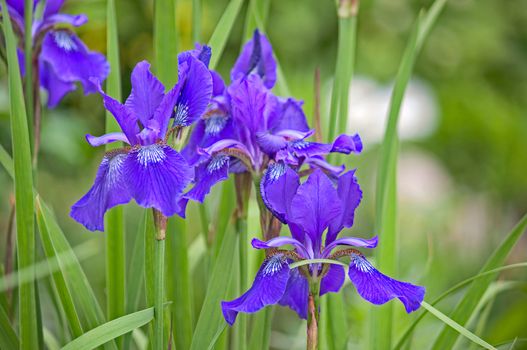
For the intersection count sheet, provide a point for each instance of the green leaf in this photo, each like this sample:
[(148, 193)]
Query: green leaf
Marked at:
[(76, 285), (135, 277), (468, 303), (196, 20), (338, 330), (386, 202), (221, 33), (114, 226), (261, 329), (111, 330), (456, 326), (7, 162), (165, 41), (8, 337), (178, 270), (23, 172), (210, 322)]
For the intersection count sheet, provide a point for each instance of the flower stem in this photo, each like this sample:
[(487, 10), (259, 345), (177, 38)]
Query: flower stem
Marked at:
[(313, 314), (160, 223)]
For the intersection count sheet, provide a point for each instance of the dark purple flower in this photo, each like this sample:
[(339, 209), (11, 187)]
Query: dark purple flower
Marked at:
[(310, 209), (247, 127), (63, 58), (148, 170)]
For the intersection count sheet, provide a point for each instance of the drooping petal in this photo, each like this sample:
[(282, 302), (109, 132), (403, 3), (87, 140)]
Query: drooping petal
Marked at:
[(196, 91), (278, 187), (71, 60), (56, 87), (108, 190), (124, 116), (207, 175), (96, 141), (147, 92), (378, 288), (157, 175), (347, 144), (296, 294), (333, 280), (351, 241), (256, 57), (318, 162), (350, 194), (315, 206), (267, 289), (232, 147), (304, 148)]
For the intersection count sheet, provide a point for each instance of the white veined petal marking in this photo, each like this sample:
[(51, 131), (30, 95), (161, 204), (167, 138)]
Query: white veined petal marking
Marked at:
[(275, 171), (273, 265), (215, 124), (300, 144), (115, 168), (151, 154), (181, 115), (361, 263), (217, 163), (65, 41)]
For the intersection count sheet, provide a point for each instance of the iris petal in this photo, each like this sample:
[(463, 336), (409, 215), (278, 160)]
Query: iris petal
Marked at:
[(108, 190), (333, 280), (296, 294), (157, 175), (267, 289), (207, 175), (378, 288)]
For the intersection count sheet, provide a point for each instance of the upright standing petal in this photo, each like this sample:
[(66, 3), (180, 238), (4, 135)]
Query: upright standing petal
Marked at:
[(267, 289), (147, 92), (347, 144), (315, 206), (56, 87), (289, 116), (196, 91), (108, 190), (156, 176), (350, 194), (378, 288), (256, 58)]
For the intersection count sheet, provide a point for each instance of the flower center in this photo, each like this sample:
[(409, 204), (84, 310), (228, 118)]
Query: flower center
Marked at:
[(65, 41), (300, 144), (275, 171), (362, 264)]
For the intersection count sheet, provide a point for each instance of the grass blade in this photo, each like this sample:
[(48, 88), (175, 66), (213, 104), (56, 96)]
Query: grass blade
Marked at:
[(23, 189), (115, 230), (221, 33), (468, 303), (179, 277), (456, 326), (196, 20), (76, 285), (111, 330), (165, 41), (7, 162), (386, 202), (8, 337), (211, 322), (337, 323)]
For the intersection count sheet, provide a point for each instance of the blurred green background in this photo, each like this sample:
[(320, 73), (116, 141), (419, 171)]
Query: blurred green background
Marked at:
[(463, 165)]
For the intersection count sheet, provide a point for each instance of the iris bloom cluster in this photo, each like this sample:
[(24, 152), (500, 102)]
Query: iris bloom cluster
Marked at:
[(148, 169), (310, 210), (62, 59), (247, 127)]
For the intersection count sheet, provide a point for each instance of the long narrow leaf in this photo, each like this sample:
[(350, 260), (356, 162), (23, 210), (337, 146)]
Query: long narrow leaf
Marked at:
[(456, 326), (111, 330), (221, 33), (386, 202), (8, 337), (115, 237), (23, 189), (211, 320), (471, 298), (165, 41)]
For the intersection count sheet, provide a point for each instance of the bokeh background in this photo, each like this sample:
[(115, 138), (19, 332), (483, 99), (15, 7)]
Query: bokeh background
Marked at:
[(463, 165)]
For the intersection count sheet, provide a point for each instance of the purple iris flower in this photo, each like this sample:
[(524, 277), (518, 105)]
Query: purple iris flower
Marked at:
[(148, 170), (310, 209), (63, 59), (246, 126)]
